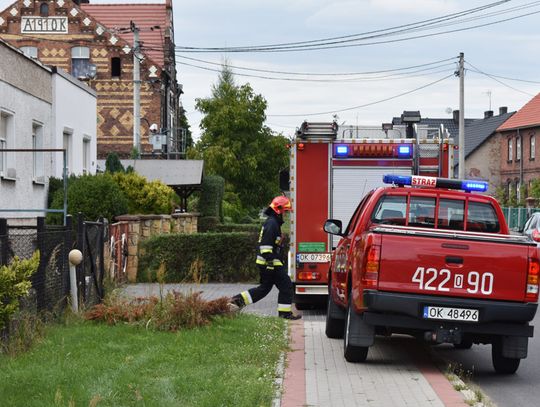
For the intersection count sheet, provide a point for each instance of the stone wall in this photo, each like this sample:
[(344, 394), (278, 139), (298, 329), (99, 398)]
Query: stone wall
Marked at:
[(141, 227)]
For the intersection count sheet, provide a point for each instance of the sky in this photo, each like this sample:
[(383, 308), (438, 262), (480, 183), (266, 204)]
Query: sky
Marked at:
[(509, 49)]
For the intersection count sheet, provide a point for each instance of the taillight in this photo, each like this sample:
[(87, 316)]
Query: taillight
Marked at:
[(308, 275), (532, 280), (370, 276), (535, 235)]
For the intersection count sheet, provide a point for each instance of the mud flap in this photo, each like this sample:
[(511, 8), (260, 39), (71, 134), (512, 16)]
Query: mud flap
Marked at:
[(360, 333), (514, 347)]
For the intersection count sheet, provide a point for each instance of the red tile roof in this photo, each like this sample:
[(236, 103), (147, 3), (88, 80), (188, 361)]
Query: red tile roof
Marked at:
[(527, 116), (145, 17)]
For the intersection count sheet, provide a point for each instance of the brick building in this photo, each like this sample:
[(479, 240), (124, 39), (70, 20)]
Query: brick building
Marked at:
[(94, 42), (518, 159)]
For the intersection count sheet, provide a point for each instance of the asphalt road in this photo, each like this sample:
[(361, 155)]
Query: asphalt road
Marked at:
[(519, 389)]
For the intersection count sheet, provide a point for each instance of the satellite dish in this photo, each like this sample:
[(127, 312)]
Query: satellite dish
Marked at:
[(448, 110)]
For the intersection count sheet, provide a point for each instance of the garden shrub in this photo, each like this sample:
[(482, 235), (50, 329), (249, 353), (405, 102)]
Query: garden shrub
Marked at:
[(14, 284), (239, 227), (220, 257), (92, 195), (146, 197), (207, 224), (212, 189), (113, 163), (55, 184)]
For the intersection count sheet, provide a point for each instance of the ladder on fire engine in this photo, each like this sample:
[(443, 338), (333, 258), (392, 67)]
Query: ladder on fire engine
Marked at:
[(318, 130)]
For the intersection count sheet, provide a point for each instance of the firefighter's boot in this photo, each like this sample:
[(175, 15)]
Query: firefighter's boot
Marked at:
[(236, 303), (289, 315)]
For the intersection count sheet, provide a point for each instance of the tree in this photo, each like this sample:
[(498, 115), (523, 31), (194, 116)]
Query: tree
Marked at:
[(184, 125), (113, 164), (237, 145)]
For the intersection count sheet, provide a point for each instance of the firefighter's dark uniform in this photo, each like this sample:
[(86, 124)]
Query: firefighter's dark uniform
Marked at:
[(271, 268)]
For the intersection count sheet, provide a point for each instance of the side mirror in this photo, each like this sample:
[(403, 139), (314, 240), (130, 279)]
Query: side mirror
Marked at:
[(333, 226)]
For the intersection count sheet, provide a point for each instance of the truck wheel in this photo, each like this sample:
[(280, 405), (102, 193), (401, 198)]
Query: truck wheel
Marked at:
[(334, 326), (501, 363), (354, 354), (466, 343)]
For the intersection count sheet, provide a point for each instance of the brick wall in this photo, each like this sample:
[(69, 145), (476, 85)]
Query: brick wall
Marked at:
[(140, 227), (115, 95)]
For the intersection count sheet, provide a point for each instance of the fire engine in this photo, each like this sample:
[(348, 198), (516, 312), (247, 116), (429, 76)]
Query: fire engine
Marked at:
[(331, 168)]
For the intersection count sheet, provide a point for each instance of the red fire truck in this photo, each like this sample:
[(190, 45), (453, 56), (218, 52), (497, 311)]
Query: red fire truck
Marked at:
[(331, 169)]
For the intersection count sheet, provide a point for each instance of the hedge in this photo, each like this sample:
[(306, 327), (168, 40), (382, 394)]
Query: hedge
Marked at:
[(211, 201), (204, 257), (239, 227)]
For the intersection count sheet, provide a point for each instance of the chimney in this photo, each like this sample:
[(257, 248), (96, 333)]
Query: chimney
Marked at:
[(488, 114), (455, 116), (503, 110)]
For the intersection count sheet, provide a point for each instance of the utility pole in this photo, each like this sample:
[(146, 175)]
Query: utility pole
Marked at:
[(461, 141), (136, 89)]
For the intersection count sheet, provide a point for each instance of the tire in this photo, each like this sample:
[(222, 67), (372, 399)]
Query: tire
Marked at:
[(501, 364), (334, 326), (466, 343), (353, 354)]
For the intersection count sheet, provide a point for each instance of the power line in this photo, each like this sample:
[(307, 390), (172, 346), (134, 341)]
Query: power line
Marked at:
[(318, 74), (377, 78), (497, 80), (364, 34), (506, 77), (364, 105)]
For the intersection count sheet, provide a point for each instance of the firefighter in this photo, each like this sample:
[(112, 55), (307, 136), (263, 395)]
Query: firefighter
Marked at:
[(270, 264)]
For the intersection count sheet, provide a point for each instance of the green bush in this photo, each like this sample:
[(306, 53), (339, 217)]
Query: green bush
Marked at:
[(55, 184), (214, 257), (210, 203), (94, 196), (113, 164), (238, 227), (146, 197), (208, 224), (14, 284)]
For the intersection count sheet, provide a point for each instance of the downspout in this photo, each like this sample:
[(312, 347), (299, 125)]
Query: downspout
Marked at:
[(520, 163)]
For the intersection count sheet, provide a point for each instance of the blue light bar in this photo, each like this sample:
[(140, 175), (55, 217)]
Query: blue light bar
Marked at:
[(405, 151), (435, 182), (397, 179), (342, 150), (479, 186)]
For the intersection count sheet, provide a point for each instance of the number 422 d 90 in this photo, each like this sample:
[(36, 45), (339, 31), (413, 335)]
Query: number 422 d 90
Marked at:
[(432, 279)]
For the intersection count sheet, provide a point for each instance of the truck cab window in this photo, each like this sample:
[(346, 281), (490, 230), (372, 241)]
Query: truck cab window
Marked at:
[(451, 214), (481, 217), (422, 212), (390, 210)]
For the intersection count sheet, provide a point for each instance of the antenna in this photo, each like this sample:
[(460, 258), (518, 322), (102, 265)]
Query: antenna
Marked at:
[(488, 93)]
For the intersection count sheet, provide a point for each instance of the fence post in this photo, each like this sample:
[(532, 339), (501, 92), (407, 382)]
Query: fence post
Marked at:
[(38, 279), (68, 244), (4, 241), (101, 248), (81, 246)]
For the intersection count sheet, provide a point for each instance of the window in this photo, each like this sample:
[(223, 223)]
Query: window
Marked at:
[(422, 212), (80, 61), (6, 138), (31, 52), (481, 217), (510, 152), (38, 161), (44, 9), (451, 214), (86, 155), (356, 215), (518, 149), (391, 210), (532, 149), (116, 67), (67, 147)]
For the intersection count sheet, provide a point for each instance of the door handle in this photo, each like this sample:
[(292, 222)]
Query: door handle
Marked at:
[(454, 260)]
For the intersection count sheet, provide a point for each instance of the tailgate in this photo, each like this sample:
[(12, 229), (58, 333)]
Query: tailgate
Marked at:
[(436, 264)]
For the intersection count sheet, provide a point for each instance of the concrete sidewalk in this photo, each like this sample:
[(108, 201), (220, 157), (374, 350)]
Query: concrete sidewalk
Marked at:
[(397, 372)]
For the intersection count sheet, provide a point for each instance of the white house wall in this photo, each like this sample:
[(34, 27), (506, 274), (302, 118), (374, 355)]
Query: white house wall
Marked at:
[(75, 112)]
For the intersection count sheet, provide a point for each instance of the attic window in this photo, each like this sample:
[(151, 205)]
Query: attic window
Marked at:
[(116, 67), (44, 9)]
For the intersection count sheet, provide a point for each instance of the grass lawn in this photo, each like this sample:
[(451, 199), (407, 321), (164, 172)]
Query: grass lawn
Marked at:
[(232, 362)]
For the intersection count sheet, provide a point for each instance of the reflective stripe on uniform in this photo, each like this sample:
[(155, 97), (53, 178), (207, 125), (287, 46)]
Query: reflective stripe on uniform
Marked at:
[(284, 307), (278, 262), (261, 260), (246, 297), (265, 249)]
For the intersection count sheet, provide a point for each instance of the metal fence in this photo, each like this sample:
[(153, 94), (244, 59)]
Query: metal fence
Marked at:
[(517, 217), (51, 281)]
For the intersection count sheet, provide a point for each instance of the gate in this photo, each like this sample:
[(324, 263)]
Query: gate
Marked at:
[(91, 272)]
